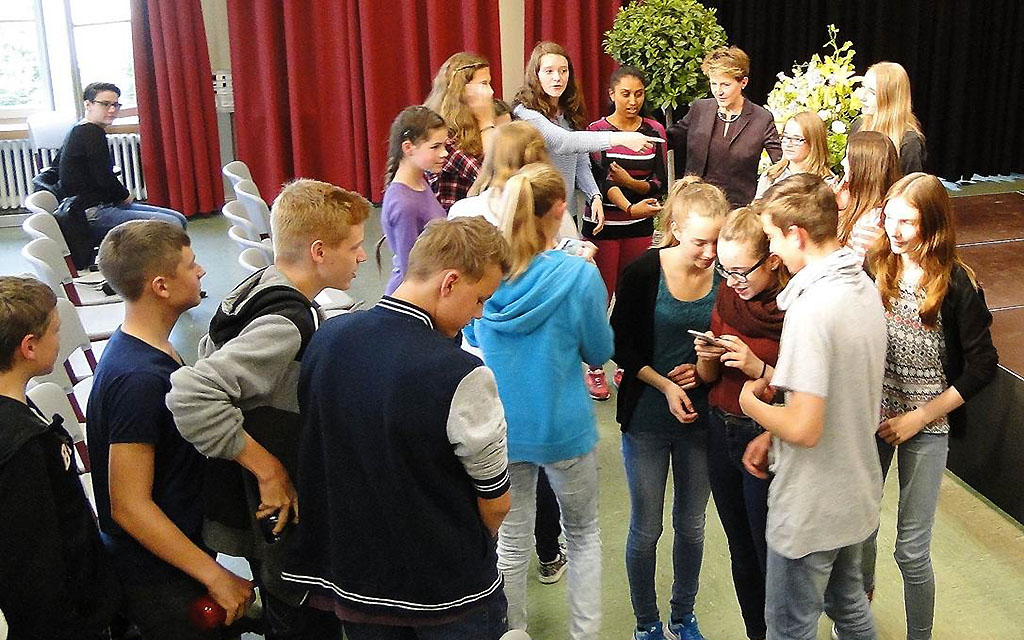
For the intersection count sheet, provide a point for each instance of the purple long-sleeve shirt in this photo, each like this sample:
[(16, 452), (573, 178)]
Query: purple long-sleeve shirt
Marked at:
[(403, 215)]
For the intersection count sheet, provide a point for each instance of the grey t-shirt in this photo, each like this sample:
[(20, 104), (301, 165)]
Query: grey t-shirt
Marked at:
[(833, 346)]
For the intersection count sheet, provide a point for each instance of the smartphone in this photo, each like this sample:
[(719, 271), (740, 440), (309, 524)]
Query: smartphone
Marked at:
[(705, 338)]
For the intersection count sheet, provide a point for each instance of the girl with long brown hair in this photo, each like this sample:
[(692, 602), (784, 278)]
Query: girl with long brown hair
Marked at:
[(463, 96), (804, 150), (872, 167), (887, 108), (940, 354), (551, 100)]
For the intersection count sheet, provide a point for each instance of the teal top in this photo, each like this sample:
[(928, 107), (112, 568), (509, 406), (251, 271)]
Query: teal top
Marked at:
[(672, 347)]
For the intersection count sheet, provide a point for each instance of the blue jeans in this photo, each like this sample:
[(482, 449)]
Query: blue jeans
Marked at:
[(574, 482), (647, 457), (742, 503), (921, 463), (109, 216), (798, 590), (486, 622)]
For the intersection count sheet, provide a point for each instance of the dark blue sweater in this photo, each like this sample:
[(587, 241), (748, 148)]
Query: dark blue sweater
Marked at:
[(390, 524)]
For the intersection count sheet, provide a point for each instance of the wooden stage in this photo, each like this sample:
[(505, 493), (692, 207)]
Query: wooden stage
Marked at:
[(990, 457)]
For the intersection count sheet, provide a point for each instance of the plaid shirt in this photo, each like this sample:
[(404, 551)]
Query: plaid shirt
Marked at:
[(456, 176)]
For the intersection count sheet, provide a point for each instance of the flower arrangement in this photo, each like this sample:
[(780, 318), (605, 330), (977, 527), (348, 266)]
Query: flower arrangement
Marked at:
[(824, 84)]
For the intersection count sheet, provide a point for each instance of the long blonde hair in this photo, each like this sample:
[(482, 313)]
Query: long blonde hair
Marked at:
[(529, 195), (936, 254), (894, 112), (690, 196), (446, 98), (813, 131), (513, 146)]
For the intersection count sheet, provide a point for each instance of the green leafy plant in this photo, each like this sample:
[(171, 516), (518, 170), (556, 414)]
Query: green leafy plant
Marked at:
[(826, 85), (667, 40)]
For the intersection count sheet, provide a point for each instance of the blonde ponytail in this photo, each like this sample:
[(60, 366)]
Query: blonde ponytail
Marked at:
[(527, 197)]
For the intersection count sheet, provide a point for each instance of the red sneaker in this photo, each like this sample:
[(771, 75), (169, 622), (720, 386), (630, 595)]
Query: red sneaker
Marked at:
[(617, 378), (597, 386)]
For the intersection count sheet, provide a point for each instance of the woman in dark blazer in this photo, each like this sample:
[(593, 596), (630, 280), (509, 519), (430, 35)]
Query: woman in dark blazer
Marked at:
[(723, 136)]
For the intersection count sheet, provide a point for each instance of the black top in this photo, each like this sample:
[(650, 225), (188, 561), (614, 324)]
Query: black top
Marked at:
[(86, 168), (912, 151), (126, 405), (971, 359), (55, 578)]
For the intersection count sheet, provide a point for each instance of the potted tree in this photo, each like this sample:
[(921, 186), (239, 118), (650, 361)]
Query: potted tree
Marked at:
[(667, 40)]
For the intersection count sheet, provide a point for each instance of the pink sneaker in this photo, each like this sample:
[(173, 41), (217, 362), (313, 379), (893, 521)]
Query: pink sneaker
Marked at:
[(617, 378), (597, 386)]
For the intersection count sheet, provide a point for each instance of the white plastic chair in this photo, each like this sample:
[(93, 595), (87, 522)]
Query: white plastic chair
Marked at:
[(80, 352), (235, 212), (236, 171), (51, 401), (47, 260), (258, 211), (47, 131), (77, 393), (41, 202), (44, 225), (252, 260), (238, 237)]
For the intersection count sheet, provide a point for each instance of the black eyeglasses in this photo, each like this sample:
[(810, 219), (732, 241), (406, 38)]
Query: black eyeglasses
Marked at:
[(796, 141), (106, 105), (740, 276)]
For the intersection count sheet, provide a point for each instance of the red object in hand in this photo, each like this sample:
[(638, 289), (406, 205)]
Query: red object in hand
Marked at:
[(205, 614)]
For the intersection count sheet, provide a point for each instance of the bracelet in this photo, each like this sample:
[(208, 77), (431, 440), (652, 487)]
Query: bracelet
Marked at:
[(764, 368)]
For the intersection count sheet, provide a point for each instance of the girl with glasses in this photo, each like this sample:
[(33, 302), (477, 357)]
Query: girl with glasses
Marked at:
[(463, 96), (804, 150), (748, 324), (940, 355), (887, 108), (662, 407)]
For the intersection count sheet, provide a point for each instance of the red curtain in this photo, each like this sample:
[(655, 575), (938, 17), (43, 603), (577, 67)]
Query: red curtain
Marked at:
[(317, 83), (579, 26), (177, 118)]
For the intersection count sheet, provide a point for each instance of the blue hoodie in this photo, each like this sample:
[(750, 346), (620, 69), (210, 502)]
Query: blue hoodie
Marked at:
[(535, 331)]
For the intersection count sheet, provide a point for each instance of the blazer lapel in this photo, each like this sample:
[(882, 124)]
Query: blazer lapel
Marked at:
[(705, 123), (741, 123)]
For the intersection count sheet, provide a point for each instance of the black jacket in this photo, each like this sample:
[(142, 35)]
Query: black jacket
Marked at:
[(633, 324), (86, 169), (752, 132), (971, 359), (55, 578)]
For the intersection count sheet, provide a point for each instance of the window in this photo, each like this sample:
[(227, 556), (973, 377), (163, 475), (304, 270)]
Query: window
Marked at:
[(51, 49)]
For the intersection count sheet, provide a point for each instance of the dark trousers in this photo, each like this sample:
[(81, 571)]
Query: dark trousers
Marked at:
[(742, 503), (160, 609), (489, 621), (547, 527), (284, 621)]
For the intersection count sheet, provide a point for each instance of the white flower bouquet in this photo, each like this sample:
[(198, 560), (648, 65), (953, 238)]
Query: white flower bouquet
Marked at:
[(824, 84)]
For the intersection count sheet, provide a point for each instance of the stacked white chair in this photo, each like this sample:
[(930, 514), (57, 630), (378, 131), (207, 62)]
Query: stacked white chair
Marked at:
[(47, 130), (41, 202), (252, 260), (256, 208), (236, 171), (239, 237), (44, 225), (51, 401), (75, 382), (48, 261)]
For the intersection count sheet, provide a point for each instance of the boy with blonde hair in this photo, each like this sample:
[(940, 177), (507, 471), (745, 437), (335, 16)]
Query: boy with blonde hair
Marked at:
[(238, 404)]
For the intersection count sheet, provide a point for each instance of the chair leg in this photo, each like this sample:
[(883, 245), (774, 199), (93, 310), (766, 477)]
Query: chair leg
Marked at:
[(78, 409), (83, 456)]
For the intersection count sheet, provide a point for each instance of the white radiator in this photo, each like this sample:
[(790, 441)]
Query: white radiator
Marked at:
[(17, 167)]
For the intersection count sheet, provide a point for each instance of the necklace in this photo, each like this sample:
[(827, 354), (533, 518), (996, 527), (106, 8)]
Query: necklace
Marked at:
[(728, 118)]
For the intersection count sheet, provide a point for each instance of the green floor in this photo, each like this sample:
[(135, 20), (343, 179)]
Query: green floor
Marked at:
[(978, 553)]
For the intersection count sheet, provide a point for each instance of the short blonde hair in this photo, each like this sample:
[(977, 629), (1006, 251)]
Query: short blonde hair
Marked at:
[(309, 210), (727, 61), (468, 244)]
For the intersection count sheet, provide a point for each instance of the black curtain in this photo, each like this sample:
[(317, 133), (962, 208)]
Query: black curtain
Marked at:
[(965, 61)]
